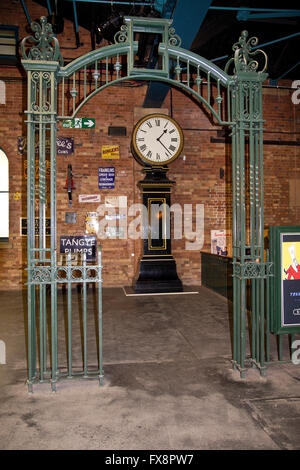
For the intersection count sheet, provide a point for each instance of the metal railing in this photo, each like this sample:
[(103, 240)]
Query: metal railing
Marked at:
[(45, 363)]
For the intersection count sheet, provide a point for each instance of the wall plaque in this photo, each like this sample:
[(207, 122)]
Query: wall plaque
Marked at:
[(110, 152), (79, 244), (89, 198), (106, 177), (70, 218), (64, 145)]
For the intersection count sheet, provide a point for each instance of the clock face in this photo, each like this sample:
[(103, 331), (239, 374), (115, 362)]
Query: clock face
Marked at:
[(157, 139)]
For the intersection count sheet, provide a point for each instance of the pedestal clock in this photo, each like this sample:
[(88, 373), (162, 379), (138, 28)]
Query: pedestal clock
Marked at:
[(157, 140)]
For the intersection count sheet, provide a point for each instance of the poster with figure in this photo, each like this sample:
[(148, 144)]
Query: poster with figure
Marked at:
[(221, 242), (91, 222), (290, 279)]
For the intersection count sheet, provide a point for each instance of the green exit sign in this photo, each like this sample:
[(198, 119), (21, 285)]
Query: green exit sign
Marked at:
[(79, 123)]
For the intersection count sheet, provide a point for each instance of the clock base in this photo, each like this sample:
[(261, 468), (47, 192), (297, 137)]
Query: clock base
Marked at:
[(157, 276)]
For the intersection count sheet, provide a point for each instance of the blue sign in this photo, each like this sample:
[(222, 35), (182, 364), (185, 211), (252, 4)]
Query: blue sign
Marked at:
[(106, 177), (79, 244), (64, 145)]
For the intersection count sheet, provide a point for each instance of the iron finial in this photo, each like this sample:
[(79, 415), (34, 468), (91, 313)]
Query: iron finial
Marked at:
[(243, 53), (43, 45)]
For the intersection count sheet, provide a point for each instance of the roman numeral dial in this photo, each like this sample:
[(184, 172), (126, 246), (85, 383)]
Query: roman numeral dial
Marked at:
[(157, 139)]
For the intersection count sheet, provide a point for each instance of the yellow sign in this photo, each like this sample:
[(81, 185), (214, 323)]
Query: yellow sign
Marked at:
[(110, 152), (91, 222), (290, 260)]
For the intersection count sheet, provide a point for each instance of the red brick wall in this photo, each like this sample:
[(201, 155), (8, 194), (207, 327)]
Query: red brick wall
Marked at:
[(197, 177)]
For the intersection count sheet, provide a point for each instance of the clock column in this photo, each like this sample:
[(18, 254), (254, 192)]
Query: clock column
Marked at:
[(157, 271)]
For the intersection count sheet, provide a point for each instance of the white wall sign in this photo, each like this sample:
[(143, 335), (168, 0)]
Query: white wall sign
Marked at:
[(89, 198)]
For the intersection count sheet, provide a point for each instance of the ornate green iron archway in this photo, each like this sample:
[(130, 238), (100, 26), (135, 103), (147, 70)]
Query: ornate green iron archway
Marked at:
[(234, 101)]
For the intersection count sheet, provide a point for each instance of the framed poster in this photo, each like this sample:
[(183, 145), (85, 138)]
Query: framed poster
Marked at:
[(221, 242), (285, 286), (91, 222)]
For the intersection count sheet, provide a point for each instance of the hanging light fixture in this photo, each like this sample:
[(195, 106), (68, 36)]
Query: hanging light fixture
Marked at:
[(110, 27)]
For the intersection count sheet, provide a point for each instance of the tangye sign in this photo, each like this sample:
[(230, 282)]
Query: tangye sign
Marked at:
[(79, 244)]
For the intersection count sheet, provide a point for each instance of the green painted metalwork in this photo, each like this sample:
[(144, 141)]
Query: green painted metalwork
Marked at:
[(249, 264), (42, 63), (43, 45), (232, 100), (102, 67)]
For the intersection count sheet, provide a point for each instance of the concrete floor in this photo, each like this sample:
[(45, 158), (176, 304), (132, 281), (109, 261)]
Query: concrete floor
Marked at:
[(168, 383)]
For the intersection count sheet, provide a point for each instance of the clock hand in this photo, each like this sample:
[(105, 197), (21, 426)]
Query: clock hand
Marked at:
[(158, 138), (164, 147)]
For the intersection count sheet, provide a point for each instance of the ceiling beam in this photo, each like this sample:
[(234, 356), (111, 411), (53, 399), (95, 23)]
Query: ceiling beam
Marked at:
[(165, 7), (26, 11), (188, 16), (76, 24), (289, 70), (268, 10), (246, 15), (187, 19), (49, 7)]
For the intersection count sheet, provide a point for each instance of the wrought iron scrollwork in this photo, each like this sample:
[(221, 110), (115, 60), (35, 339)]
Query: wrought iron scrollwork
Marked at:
[(64, 274), (252, 270), (41, 274), (243, 55), (122, 35), (43, 45), (174, 39)]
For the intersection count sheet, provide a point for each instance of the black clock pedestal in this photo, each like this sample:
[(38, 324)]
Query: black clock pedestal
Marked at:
[(157, 276), (157, 273)]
